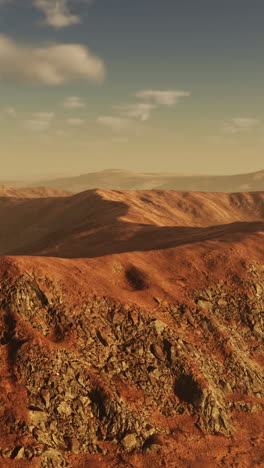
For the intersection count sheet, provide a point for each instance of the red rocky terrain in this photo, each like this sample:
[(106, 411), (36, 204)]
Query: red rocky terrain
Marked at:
[(132, 330)]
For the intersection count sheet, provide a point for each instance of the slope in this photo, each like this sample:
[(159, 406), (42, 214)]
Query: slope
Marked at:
[(96, 223), (147, 350)]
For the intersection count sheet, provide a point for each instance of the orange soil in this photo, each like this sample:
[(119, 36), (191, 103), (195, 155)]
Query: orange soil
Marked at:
[(178, 241)]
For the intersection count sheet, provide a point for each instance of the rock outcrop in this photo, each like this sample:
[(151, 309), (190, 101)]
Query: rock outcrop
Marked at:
[(83, 374)]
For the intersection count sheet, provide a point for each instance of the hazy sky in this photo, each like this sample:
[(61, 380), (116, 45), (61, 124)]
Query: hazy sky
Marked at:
[(146, 85)]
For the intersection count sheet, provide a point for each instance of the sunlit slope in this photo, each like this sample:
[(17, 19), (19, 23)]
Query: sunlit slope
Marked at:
[(97, 222)]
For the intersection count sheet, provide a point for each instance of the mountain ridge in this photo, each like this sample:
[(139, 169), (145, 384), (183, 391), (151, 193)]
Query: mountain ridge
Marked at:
[(120, 179), (76, 225)]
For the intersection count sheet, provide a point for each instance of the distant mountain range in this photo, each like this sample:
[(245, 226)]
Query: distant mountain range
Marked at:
[(118, 179)]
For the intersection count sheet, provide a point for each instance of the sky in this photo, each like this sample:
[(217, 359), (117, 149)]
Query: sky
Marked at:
[(143, 85)]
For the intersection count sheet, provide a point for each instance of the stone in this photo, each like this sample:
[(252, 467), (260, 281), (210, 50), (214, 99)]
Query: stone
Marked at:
[(157, 351), (75, 445), (258, 289), (64, 409), (52, 459), (159, 326), (222, 302), (6, 453), (45, 394), (129, 442), (153, 448), (204, 304), (38, 417), (18, 453)]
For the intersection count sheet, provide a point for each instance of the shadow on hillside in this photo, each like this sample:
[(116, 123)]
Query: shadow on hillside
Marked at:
[(87, 225), (154, 238)]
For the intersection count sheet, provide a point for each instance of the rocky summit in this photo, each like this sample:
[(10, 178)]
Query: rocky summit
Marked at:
[(148, 357)]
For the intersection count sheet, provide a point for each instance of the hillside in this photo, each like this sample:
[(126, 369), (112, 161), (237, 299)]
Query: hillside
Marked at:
[(131, 330), (33, 192), (96, 223)]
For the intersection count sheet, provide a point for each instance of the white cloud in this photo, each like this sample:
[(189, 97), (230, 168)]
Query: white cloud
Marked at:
[(57, 13), (240, 124), (75, 122), (114, 123), (164, 98), (47, 116), (73, 102), (50, 65), (138, 110)]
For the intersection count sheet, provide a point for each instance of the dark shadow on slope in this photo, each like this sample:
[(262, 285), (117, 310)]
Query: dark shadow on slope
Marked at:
[(87, 225)]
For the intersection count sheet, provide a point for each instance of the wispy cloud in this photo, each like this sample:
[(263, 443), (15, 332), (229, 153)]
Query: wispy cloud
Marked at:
[(114, 123), (57, 13), (39, 121), (139, 110), (154, 98), (163, 98), (73, 102), (129, 112), (240, 124), (48, 116), (48, 65)]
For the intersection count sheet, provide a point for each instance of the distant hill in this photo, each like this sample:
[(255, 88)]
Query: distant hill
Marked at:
[(118, 179), (33, 192)]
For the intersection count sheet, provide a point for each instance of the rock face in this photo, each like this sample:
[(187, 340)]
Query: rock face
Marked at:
[(87, 377)]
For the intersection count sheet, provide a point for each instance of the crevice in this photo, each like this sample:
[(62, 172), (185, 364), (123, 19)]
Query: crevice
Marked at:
[(101, 338), (9, 338), (98, 398), (15, 451), (187, 390), (167, 348)]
